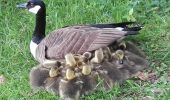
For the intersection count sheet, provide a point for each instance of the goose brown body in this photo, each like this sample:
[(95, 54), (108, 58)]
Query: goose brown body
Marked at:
[(76, 40)]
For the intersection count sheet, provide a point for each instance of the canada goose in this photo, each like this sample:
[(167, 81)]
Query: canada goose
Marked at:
[(101, 54), (72, 39), (54, 66), (82, 59), (116, 60), (70, 60), (89, 83), (87, 55), (131, 47), (51, 84), (109, 70), (136, 62), (132, 61), (110, 74), (52, 63), (86, 69), (98, 56), (107, 53), (128, 46), (70, 74), (118, 56), (38, 75), (70, 90), (42, 77), (54, 71)]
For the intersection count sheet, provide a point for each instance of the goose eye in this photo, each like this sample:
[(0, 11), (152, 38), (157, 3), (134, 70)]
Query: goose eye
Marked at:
[(31, 4)]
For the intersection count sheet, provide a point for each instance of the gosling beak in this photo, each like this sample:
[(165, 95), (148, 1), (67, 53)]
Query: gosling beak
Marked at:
[(120, 61), (23, 5)]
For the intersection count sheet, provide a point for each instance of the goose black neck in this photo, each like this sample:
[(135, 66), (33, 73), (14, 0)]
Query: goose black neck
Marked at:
[(39, 31)]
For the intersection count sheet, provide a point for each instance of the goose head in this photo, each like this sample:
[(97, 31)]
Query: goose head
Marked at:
[(38, 8), (33, 6)]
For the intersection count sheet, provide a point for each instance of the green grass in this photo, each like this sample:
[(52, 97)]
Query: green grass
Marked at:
[(17, 25)]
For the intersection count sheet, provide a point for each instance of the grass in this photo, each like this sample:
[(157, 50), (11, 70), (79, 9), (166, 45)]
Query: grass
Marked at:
[(17, 25)]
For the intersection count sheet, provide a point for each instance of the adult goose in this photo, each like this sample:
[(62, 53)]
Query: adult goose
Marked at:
[(71, 39)]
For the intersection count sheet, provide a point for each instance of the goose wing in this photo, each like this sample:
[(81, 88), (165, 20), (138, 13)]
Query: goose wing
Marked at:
[(76, 39)]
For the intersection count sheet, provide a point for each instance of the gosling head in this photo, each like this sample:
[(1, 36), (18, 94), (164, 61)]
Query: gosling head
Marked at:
[(70, 60), (107, 53), (70, 74), (83, 58), (119, 55), (86, 70), (122, 45), (98, 57), (87, 55), (54, 71), (79, 59)]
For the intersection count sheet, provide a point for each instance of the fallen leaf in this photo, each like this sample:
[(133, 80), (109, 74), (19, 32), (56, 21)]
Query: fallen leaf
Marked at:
[(147, 98), (152, 77), (2, 79), (157, 91), (168, 78), (141, 76), (146, 76)]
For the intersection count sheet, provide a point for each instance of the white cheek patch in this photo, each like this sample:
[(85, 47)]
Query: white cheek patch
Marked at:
[(35, 9), (119, 28), (33, 47)]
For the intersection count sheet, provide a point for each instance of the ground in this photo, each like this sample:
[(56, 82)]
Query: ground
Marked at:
[(16, 27)]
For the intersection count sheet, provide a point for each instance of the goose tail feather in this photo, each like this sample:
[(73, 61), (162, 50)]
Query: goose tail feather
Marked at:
[(133, 30)]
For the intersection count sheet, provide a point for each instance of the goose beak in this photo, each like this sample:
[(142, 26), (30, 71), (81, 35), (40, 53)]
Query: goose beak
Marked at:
[(23, 5)]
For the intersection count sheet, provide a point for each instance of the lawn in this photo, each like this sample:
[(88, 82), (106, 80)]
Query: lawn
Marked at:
[(16, 27)]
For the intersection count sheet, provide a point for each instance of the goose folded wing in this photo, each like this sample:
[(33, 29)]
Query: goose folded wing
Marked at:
[(76, 39)]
